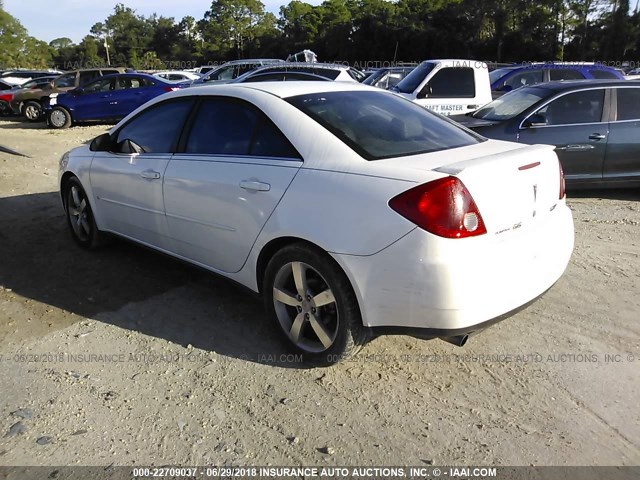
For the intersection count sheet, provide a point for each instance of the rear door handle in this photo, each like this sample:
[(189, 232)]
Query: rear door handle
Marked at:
[(150, 174), (576, 148), (597, 136), (255, 186)]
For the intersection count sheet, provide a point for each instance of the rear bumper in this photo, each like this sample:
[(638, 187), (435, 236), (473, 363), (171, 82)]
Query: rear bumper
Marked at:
[(445, 287)]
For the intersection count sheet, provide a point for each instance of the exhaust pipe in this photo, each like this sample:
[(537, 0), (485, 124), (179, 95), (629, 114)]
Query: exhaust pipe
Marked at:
[(458, 340)]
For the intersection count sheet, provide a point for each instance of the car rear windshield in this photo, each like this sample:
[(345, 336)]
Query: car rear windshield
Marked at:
[(382, 125), (511, 104)]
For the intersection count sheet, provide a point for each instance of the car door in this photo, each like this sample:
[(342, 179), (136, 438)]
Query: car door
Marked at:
[(128, 186), (622, 157), (450, 91), (221, 190), (576, 123), (95, 100), (130, 93)]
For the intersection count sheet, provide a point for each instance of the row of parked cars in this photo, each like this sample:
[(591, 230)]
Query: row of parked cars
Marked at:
[(592, 123)]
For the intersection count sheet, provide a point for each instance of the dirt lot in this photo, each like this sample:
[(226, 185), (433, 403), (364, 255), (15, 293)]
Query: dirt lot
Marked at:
[(127, 357)]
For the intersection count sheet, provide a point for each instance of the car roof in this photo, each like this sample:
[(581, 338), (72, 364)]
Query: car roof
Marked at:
[(282, 89), (305, 65), (578, 84)]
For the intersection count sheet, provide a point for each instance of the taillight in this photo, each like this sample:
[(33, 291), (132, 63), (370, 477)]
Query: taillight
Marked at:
[(170, 89), (443, 207), (563, 190)]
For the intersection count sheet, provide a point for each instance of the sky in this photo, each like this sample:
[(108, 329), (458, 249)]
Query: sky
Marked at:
[(47, 19)]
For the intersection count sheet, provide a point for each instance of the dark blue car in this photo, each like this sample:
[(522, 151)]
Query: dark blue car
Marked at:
[(509, 78), (108, 98)]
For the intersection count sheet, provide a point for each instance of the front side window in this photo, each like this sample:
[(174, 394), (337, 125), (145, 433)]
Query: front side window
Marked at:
[(226, 127), (156, 129), (456, 82), (628, 103), (102, 85), (575, 108), (381, 125)]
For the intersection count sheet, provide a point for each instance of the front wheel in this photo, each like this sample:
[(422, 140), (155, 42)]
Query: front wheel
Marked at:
[(313, 304), (59, 117), (32, 111), (80, 217)]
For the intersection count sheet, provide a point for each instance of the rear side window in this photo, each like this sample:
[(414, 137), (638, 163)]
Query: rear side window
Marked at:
[(86, 77), (157, 128), (381, 125), (603, 74), (109, 72), (457, 82), (628, 103), (227, 127), (67, 80), (526, 77), (565, 74)]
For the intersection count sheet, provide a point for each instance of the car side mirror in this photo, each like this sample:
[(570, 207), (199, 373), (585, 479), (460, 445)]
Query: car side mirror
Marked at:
[(505, 88), (130, 147), (103, 143), (535, 120)]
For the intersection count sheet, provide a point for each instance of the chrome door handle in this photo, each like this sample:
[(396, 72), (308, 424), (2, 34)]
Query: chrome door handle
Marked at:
[(255, 186), (150, 174), (597, 136), (576, 148)]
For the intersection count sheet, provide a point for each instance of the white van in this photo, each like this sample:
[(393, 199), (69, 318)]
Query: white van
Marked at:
[(448, 87)]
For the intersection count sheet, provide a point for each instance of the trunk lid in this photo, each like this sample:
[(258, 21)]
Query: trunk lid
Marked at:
[(512, 189)]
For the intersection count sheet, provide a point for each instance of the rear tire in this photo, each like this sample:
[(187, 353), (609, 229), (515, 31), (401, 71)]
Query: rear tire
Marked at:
[(80, 217), (59, 117), (310, 300), (32, 111)]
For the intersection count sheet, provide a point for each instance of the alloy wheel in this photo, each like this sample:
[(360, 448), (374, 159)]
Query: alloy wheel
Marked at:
[(305, 307)]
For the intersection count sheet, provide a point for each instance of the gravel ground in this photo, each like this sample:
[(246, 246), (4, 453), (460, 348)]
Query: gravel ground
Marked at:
[(128, 357)]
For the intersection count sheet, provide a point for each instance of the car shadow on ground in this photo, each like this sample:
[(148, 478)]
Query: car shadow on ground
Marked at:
[(170, 299), (20, 123), (625, 194)]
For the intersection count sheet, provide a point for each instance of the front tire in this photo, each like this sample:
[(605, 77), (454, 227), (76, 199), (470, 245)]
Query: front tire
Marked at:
[(32, 111), (80, 217), (311, 301), (59, 117)]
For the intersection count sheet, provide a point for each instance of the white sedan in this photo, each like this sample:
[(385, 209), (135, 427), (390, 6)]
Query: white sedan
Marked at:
[(353, 211), (177, 76)]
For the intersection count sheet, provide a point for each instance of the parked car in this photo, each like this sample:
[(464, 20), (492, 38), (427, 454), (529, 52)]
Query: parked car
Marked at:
[(5, 102), (108, 98), (23, 92), (509, 78), (4, 85), (353, 211), (18, 77), (331, 71), (387, 78), (177, 76), (279, 76), (231, 70), (448, 87), (29, 103), (594, 126)]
